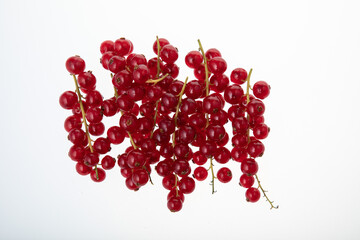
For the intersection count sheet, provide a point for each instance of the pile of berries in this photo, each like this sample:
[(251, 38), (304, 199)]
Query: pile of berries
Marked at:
[(174, 127)]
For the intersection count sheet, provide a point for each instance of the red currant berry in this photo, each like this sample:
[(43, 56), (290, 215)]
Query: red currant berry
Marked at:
[(77, 136), (128, 122), (255, 148), (212, 104), (187, 185), (261, 89), (116, 135), (171, 69), (168, 181), (181, 167), (188, 106), (219, 118), (166, 126), (233, 94), (140, 177), (200, 173), (82, 169), (160, 138), (194, 89), (102, 145), (125, 103), (218, 83), (169, 101), (261, 131), (98, 175), (91, 159), (122, 80), (222, 155), (215, 132), (186, 134), (163, 42), (252, 195), (105, 59), (238, 76), (217, 65), (141, 74), (200, 73), (240, 125), (174, 204), (211, 53), (123, 47), (136, 158), (68, 99), (116, 64), (255, 108), (106, 46), (176, 193), (238, 154), (224, 175), (96, 129), (164, 168), (109, 107), (240, 140), (169, 54), (75, 65), (257, 120), (249, 166), (94, 115), (193, 59), (87, 80), (208, 148), (126, 172), (108, 162), (77, 153), (94, 99), (134, 60), (166, 150), (72, 122), (197, 121), (223, 141), (246, 181), (235, 111), (130, 184)]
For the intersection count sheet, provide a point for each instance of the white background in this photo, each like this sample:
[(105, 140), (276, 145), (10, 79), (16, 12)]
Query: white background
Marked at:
[(308, 51)]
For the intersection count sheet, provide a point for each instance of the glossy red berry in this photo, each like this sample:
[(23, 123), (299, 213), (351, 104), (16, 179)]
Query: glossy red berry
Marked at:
[(163, 42), (98, 175), (141, 74), (240, 125), (128, 122), (208, 148), (261, 89), (246, 181), (212, 104), (109, 107), (174, 204), (77, 153), (193, 59), (255, 148), (218, 83), (238, 76), (169, 101), (116, 64), (233, 94), (125, 103), (261, 131), (102, 145), (200, 173), (186, 134), (91, 159), (211, 53), (134, 60), (164, 168), (239, 154), (176, 193), (68, 99), (122, 80), (77, 136), (215, 132), (105, 59), (166, 150), (224, 175), (222, 155), (116, 135), (72, 122), (96, 129), (106, 46), (108, 162), (172, 69), (94, 115), (252, 195), (187, 185), (249, 166), (82, 169), (169, 54), (194, 89), (75, 65), (87, 80), (140, 177), (168, 181), (94, 99), (123, 47), (130, 184), (217, 65), (255, 108)]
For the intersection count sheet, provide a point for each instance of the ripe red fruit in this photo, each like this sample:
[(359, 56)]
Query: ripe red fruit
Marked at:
[(102, 145), (200, 173), (218, 83), (75, 65), (72, 122), (105, 59), (261, 89), (82, 169), (217, 65), (169, 54), (96, 129), (255, 148), (252, 195), (163, 42), (116, 64), (222, 155), (174, 204), (255, 108), (94, 115), (249, 166), (77, 153), (246, 181), (193, 59), (224, 175), (140, 177), (87, 80), (187, 185), (99, 177), (108, 162), (68, 99), (91, 159), (212, 52), (233, 94), (94, 99), (123, 47), (141, 74), (179, 194), (128, 122), (238, 76), (136, 158), (261, 131)]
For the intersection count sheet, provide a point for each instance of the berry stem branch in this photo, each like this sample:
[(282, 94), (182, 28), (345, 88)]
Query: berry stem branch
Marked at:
[(264, 192), (155, 117), (84, 120), (212, 176), (155, 81), (158, 57)]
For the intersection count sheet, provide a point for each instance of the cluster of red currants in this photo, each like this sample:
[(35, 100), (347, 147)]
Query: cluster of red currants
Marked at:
[(169, 123)]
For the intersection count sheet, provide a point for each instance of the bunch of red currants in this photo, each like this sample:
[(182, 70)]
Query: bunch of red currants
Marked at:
[(170, 123)]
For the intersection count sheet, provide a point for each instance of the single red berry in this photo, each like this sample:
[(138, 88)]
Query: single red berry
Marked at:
[(130, 184), (194, 89), (168, 181), (223, 141), (219, 118), (72, 122), (174, 204), (246, 181), (238, 76), (134, 60), (224, 175), (75, 65), (77, 153), (172, 69), (215, 132), (257, 120), (233, 94), (98, 174), (181, 167), (109, 107), (255, 108), (239, 154), (68, 99), (193, 59), (169, 54), (77, 136), (175, 87), (200, 73), (141, 74), (128, 122), (249, 166), (166, 125), (94, 99), (154, 92), (87, 80), (186, 134), (164, 168), (187, 185), (94, 115), (140, 177), (252, 195), (116, 135), (255, 148), (197, 121), (212, 104), (218, 83), (105, 59), (106, 46), (166, 150), (116, 64), (261, 131), (136, 92), (136, 158), (125, 103), (123, 47), (96, 129), (235, 111), (211, 53), (208, 148), (82, 169), (240, 140), (217, 65), (222, 155), (126, 172), (122, 80), (200, 173), (102, 145), (163, 42), (122, 160), (160, 138), (261, 89), (188, 106), (199, 158), (91, 158), (240, 125), (108, 162)]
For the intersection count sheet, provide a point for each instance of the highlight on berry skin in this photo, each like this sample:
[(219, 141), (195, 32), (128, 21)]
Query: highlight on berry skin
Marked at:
[(170, 127)]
